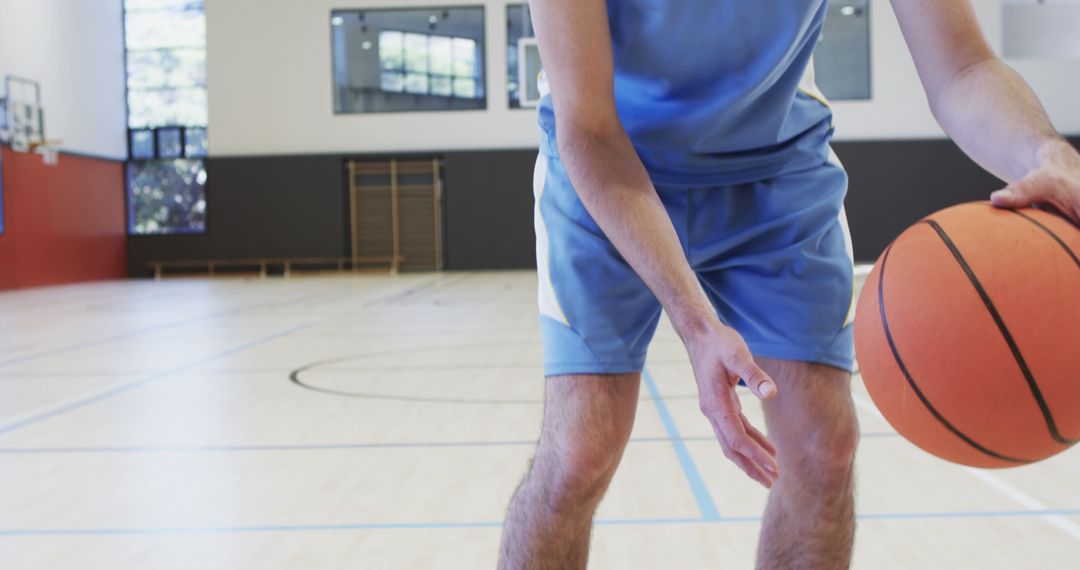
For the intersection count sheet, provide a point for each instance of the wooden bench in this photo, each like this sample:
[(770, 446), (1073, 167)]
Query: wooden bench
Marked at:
[(261, 266)]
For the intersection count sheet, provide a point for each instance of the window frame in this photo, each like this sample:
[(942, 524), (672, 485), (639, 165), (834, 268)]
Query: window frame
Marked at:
[(130, 162), (481, 67)]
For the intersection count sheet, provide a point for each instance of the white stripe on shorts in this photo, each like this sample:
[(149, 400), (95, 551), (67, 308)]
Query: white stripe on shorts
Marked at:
[(549, 303)]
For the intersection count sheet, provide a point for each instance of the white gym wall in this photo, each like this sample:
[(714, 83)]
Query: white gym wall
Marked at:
[(898, 108), (76, 51), (269, 74)]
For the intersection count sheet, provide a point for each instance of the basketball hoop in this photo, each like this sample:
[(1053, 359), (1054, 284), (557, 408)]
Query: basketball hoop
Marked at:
[(49, 151)]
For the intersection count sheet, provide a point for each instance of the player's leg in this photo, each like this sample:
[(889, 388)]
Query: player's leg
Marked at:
[(775, 258), (596, 319), (587, 422), (809, 520)]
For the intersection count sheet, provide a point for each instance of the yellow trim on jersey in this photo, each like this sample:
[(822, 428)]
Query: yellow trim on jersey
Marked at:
[(816, 97)]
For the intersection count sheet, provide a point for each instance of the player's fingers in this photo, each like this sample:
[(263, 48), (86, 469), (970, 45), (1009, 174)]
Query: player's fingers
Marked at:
[(1036, 187), (759, 437), (744, 464), (1008, 197), (757, 379), (728, 420)]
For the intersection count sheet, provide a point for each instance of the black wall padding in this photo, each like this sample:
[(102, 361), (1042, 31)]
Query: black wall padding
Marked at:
[(296, 206)]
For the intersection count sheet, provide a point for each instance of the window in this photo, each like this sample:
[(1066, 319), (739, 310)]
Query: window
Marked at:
[(167, 196), (521, 49), (167, 115), (408, 60), (424, 64), (842, 59)]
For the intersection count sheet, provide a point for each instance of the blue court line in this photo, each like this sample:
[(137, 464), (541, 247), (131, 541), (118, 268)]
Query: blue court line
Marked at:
[(912, 516), (8, 428), (161, 327), (332, 446), (100, 341), (693, 476)]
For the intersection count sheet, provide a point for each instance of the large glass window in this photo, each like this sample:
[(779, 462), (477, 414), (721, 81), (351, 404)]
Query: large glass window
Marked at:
[(167, 115), (522, 58), (842, 59), (408, 59), (167, 196)]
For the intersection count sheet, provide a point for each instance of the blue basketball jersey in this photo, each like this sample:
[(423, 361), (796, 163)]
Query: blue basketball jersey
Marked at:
[(716, 91)]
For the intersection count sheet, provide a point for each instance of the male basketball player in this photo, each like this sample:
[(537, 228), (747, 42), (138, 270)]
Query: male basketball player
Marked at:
[(685, 165)]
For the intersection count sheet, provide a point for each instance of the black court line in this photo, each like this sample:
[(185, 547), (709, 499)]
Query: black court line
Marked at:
[(1053, 236), (128, 386), (158, 328), (915, 386), (296, 376), (1036, 393)]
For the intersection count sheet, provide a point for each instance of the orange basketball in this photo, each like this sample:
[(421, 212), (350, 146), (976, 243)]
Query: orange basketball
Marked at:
[(968, 335)]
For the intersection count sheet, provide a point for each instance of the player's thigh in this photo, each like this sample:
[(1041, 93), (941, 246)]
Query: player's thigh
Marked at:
[(775, 259), (587, 423), (589, 409), (596, 314)]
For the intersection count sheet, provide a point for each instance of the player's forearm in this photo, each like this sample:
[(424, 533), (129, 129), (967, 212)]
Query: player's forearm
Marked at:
[(995, 117), (616, 190)]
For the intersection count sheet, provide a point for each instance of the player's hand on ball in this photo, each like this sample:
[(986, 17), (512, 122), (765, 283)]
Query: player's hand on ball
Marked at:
[(1055, 183), (720, 358)]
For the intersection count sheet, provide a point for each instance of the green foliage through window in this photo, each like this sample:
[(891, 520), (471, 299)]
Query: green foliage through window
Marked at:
[(167, 196), (166, 87)]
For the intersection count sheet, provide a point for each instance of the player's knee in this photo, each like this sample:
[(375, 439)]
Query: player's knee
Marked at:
[(580, 472), (827, 453)]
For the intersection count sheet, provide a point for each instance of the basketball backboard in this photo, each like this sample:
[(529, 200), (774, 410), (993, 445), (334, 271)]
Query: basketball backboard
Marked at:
[(23, 125), (529, 68)]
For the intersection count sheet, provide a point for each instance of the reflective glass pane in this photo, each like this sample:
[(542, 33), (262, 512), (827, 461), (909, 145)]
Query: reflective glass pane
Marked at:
[(156, 69), (392, 50), (167, 196), (406, 59), (170, 143), (465, 88), (145, 5), (153, 30), (393, 82), (465, 58), (416, 53), (195, 145), (416, 83), (842, 59), (442, 86), (142, 144), (167, 107), (518, 26), (442, 55)]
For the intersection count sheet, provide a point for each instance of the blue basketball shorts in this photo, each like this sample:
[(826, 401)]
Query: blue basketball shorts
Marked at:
[(773, 256)]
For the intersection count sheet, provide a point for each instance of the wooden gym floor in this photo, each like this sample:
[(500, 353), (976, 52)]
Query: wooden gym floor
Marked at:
[(155, 426)]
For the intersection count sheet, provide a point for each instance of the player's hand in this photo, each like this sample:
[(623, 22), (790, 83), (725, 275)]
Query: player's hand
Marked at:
[(720, 357), (1055, 183)]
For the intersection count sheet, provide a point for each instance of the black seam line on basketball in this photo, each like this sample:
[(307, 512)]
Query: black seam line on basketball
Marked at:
[(1048, 416), (1051, 233), (915, 386)]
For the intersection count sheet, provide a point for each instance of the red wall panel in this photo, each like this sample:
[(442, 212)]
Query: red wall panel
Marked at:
[(63, 223)]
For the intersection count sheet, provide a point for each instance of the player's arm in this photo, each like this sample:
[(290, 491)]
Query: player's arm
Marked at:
[(575, 45), (987, 108)]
